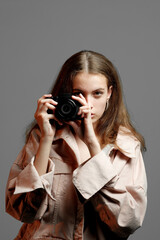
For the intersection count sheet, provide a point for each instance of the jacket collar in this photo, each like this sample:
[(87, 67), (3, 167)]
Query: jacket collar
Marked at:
[(126, 142), (66, 134)]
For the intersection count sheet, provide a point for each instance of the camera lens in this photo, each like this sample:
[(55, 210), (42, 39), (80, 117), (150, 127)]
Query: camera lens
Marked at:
[(66, 109)]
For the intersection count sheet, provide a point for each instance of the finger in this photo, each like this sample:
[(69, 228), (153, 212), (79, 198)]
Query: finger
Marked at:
[(86, 107), (80, 99), (87, 114), (85, 110), (82, 115), (48, 100), (51, 114), (45, 96), (49, 106), (49, 95), (43, 103), (81, 95)]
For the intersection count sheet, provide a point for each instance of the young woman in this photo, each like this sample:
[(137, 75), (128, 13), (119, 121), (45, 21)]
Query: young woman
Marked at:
[(84, 178)]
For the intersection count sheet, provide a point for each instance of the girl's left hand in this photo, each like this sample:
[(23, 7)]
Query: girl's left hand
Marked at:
[(84, 128)]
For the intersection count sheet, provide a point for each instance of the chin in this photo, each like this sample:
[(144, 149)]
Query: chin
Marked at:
[(94, 122)]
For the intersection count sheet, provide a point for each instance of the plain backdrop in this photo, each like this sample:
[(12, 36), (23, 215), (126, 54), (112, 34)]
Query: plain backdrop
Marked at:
[(37, 36)]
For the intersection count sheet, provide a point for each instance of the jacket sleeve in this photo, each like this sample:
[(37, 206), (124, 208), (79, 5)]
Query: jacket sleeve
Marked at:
[(116, 185), (27, 193)]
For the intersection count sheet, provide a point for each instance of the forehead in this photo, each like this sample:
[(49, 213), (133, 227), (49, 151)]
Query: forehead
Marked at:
[(89, 80)]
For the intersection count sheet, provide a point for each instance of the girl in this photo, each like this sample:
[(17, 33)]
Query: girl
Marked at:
[(82, 179)]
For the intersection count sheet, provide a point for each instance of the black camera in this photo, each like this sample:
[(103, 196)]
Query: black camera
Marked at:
[(67, 108)]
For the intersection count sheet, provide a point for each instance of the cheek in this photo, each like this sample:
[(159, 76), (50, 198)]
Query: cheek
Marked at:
[(100, 106)]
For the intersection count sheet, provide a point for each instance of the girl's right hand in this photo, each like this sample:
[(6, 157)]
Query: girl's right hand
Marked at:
[(42, 117)]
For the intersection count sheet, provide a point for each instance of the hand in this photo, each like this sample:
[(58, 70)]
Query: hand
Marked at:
[(84, 128), (42, 117)]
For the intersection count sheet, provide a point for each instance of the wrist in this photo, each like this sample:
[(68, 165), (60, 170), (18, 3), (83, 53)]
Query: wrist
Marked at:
[(46, 139), (94, 148)]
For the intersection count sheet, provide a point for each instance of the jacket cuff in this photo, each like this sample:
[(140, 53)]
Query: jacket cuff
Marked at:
[(93, 175), (29, 180)]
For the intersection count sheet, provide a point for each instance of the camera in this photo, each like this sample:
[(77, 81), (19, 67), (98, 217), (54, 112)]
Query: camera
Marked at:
[(67, 108)]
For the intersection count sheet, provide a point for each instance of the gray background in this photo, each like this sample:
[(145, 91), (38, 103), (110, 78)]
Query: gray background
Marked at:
[(37, 36)]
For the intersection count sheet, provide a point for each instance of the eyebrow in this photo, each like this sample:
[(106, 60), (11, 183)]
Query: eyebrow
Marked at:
[(98, 89)]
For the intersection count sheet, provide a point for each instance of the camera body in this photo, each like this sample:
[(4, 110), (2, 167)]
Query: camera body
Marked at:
[(67, 108)]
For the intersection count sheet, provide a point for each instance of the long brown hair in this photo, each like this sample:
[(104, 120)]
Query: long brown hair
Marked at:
[(116, 114)]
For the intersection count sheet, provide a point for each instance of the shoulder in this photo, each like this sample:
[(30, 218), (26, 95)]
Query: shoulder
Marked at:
[(126, 142)]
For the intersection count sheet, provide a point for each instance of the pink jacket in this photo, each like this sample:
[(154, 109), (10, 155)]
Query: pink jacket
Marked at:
[(103, 198)]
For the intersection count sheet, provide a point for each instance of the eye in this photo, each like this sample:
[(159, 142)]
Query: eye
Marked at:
[(98, 93)]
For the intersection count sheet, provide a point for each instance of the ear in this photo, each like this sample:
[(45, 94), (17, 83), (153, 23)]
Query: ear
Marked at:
[(109, 92)]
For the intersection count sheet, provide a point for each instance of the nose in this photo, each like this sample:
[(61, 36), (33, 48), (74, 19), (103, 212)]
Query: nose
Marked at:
[(89, 101)]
